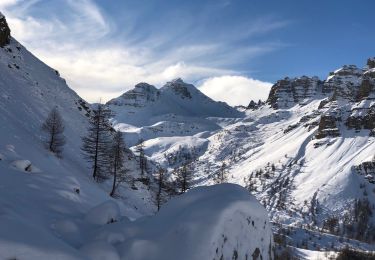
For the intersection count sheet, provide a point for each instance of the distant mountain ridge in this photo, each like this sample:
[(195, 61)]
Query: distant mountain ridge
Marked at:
[(175, 97)]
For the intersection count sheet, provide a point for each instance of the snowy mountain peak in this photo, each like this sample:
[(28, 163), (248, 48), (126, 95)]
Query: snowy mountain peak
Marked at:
[(177, 81), (4, 31), (180, 88), (143, 86), (139, 96)]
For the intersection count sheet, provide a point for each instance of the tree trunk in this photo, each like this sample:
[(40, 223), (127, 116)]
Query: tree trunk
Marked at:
[(114, 182), (96, 151)]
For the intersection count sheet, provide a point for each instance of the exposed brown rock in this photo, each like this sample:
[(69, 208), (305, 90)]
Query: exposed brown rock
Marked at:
[(327, 127), (287, 92), (4, 31), (365, 89)]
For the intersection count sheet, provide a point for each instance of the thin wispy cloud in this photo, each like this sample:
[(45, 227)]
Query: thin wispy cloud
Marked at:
[(101, 59)]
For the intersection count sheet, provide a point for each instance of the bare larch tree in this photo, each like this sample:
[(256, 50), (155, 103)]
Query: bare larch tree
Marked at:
[(54, 128), (97, 143), (117, 160)]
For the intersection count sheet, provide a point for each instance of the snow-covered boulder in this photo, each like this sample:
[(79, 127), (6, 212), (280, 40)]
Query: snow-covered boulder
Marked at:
[(105, 213), (216, 222), (22, 165)]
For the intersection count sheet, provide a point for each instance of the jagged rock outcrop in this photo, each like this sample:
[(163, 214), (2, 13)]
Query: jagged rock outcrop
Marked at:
[(371, 63), (4, 31), (366, 88), (327, 127), (288, 92), (366, 169), (179, 87), (365, 120), (343, 83), (255, 105)]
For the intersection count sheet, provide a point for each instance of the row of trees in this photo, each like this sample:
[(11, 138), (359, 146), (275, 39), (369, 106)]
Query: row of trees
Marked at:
[(102, 146), (105, 150)]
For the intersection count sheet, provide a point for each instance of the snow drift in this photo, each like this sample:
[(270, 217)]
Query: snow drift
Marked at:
[(216, 222)]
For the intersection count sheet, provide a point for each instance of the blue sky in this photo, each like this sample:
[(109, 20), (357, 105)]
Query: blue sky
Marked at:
[(238, 47)]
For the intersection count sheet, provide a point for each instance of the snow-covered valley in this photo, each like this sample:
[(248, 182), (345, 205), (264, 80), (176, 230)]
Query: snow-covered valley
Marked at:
[(306, 154)]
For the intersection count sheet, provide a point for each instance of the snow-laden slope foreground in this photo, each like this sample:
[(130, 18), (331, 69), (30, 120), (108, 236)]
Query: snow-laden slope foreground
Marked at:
[(39, 191), (216, 222)]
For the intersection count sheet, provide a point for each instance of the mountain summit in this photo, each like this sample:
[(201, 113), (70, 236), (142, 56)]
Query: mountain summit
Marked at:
[(177, 108)]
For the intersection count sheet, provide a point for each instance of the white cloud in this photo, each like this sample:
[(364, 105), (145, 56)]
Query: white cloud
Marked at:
[(235, 90), (80, 44), (6, 3)]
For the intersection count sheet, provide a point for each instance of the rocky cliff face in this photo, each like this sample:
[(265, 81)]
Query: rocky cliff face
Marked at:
[(343, 83), (288, 92), (347, 98), (4, 31)]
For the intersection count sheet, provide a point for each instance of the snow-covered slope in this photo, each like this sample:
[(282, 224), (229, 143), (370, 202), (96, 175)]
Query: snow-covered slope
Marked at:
[(309, 154), (38, 190)]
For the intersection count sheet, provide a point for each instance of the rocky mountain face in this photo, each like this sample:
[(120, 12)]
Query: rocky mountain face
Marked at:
[(347, 98), (142, 94), (287, 92)]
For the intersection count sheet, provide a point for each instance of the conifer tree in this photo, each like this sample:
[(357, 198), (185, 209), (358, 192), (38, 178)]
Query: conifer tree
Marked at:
[(117, 160), (221, 175), (54, 128), (184, 177), (161, 183), (142, 159), (96, 144)]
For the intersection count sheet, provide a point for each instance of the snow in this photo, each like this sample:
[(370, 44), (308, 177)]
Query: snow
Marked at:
[(205, 223), (99, 250), (43, 207), (104, 213), (314, 255), (73, 217)]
